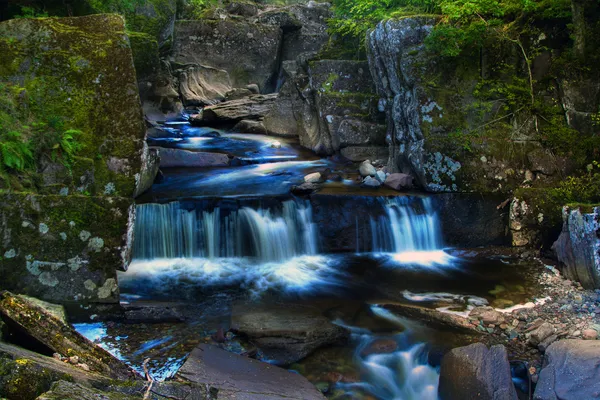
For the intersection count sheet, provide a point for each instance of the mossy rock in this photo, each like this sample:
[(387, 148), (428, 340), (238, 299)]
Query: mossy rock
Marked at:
[(80, 72)]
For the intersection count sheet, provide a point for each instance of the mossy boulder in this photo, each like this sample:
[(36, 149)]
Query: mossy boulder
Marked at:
[(64, 248), (79, 71)]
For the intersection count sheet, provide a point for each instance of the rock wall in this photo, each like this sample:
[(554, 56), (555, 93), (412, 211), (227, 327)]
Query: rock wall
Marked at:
[(65, 239), (578, 246)]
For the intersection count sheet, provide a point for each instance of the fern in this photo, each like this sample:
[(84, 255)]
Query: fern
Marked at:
[(15, 153)]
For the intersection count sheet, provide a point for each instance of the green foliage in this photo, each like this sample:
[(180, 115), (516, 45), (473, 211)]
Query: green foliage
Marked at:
[(580, 189), (52, 142), (31, 12), (15, 152)]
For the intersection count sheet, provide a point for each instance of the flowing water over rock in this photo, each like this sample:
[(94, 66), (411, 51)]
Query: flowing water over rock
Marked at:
[(223, 236)]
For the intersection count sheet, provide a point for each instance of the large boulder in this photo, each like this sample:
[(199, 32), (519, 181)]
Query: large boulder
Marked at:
[(251, 108), (286, 333), (578, 246), (476, 372), (247, 51), (570, 371), (312, 35), (50, 331), (72, 73), (239, 377), (202, 86)]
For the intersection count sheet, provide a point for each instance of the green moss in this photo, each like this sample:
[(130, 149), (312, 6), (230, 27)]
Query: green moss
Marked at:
[(328, 84)]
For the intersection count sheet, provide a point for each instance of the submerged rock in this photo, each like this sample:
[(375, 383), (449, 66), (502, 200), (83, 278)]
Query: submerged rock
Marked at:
[(305, 189), (58, 336), (178, 158), (474, 372), (286, 333), (570, 371), (236, 376)]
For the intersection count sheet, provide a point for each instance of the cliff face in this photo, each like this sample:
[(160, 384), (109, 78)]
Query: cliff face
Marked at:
[(66, 223)]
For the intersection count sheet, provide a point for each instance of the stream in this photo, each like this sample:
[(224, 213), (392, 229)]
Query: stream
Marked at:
[(211, 242)]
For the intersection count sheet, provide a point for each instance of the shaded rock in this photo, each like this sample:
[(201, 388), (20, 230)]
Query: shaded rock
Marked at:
[(539, 334), (63, 390), (542, 161), (315, 177), (310, 38), (250, 126), (434, 318), (305, 189), (475, 372), (244, 378), (399, 181), (578, 246), (213, 42), (570, 371), (286, 20), (151, 313), (59, 337), (286, 116), (371, 182), (286, 333), (200, 85), (253, 88), (238, 93), (353, 132), (249, 108), (543, 346), (361, 153), (367, 169), (244, 9), (174, 158)]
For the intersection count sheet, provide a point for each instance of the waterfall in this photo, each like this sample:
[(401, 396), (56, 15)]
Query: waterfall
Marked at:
[(170, 231), (409, 224)]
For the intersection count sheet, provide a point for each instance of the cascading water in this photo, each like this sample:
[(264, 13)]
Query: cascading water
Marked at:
[(170, 231), (404, 229)]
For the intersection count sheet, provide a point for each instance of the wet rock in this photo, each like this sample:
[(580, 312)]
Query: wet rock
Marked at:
[(367, 169), (213, 42), (476, 372), (352, 132), (540, 333), (577, 246), (381, 176), (371, 182), (313, 178), (433, 318), (305, 189), (286, 333), (570, 371), (487, 315), (399, 181), (58, 336), (177, 158), (238, 376), (249, 108), (250, 126), (276, 145), (380, 346), (201, 86)]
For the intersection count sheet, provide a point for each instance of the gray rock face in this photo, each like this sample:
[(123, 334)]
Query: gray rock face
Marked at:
[(242, 378), (286, 333), (474, 372), (250, 108), (391, 48), (215, 43), (361, 153), (312, 35), (353, 132), (202, 86), (177, 158), (250, 126), (570, 371), (578, 246)]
